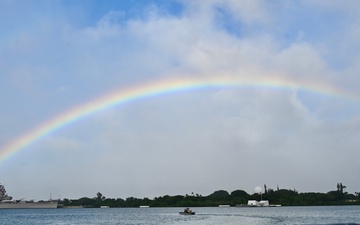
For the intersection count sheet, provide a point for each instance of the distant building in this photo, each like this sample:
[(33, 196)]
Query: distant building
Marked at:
[(253, 203), (264, 203)]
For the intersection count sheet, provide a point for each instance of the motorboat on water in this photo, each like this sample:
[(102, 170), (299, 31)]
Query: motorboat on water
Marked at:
[(187, 211)]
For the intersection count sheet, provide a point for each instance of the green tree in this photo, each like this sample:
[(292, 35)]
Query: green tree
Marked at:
[(100, 196), (219, 195)]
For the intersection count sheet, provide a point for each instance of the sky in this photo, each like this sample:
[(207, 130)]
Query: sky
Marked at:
[(288, 114)]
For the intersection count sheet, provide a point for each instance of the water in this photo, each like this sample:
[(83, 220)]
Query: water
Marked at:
[(208, 216)]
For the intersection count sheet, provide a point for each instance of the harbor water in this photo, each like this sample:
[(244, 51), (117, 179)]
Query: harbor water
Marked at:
[(207, 215)]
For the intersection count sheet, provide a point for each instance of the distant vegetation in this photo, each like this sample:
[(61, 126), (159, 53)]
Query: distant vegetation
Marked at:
[(284, 197)]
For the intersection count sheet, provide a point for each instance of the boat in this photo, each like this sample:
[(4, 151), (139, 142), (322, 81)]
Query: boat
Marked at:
[(6, 202), (187, 211)]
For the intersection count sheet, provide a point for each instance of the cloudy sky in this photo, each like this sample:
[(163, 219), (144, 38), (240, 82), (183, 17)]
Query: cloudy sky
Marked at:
[(57, 55)]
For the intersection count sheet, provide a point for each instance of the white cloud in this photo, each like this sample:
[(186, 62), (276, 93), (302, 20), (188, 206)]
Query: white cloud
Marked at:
[(248, 11), (300, 60), (120, 149)]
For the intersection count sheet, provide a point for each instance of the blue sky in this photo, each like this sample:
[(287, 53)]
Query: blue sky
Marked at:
[(55, 55)]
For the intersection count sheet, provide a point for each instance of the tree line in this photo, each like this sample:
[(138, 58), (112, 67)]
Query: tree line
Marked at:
[(284, 197)]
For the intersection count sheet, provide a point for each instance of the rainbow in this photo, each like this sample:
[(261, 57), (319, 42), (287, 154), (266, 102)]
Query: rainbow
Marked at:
[(157, 88)]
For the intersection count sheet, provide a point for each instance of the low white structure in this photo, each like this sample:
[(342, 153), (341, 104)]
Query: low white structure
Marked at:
[(253, 203), (264, 203)]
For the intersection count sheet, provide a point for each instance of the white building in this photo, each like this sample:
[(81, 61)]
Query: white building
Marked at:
[(264, 203), (253, 203)]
